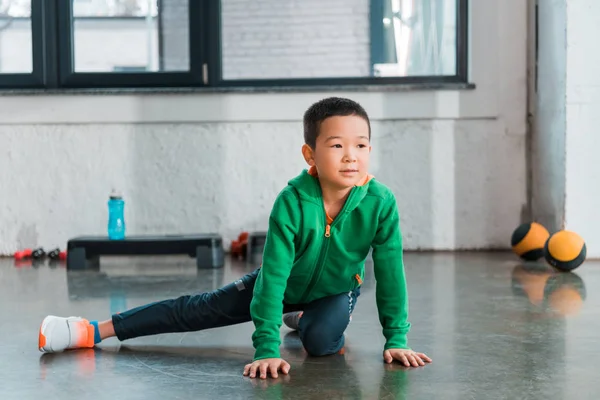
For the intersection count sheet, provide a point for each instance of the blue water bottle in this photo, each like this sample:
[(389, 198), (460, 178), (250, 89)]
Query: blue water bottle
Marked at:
[(116, 216)]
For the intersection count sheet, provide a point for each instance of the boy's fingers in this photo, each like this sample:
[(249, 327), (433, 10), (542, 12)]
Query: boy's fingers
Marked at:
[(285, 367), (414, 362), (253, 370), (273, 369), (387, 357), (246, 369), (405, 360), (263, 370)]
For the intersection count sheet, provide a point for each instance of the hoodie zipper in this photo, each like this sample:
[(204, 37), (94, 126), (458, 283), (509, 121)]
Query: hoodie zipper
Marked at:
[(324, 247)]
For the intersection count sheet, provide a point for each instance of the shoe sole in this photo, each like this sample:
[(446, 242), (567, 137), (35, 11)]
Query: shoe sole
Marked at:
[(43, 335)]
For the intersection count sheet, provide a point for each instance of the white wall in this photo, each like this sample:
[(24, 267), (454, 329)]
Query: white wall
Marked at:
[(565, 167), (215, 162), (582, 194)]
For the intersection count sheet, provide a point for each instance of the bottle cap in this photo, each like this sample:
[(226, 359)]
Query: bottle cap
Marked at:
[(114, 195)]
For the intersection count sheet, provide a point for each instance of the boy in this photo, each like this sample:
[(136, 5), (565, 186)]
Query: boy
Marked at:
[(321, 228)]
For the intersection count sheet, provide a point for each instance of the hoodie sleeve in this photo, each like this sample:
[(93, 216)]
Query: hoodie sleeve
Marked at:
[(266, 307), (391, 292)]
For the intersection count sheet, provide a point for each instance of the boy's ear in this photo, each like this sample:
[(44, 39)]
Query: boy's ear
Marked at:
[(308, 154)]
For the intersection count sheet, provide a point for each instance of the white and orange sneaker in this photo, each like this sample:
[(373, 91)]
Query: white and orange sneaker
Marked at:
[(58, 334)]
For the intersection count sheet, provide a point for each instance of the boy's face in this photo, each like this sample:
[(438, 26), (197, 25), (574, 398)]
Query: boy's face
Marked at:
[(342, 152)]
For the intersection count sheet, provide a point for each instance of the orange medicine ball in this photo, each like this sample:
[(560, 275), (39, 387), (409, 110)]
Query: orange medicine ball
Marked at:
[(528, 241), (565, 250)]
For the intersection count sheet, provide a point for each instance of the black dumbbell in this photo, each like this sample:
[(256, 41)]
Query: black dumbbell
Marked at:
[(38, 253), (56, 254)]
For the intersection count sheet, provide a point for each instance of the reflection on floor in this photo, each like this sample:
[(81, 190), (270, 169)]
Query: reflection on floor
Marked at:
[(489, 322)]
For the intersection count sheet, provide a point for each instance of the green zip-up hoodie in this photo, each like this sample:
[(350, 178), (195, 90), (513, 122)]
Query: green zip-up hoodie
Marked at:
[(305, 258)]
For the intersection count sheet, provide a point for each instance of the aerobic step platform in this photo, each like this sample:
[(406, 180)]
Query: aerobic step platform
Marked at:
[(85, 252)]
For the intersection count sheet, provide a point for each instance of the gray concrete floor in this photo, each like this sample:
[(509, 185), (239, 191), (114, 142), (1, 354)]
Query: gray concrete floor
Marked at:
[(495, 329)]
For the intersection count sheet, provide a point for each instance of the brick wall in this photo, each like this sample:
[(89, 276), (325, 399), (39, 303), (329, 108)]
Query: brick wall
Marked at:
[(295, 39)]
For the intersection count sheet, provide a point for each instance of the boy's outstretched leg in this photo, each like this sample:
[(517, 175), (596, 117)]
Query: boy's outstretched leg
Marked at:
[(228, 305)]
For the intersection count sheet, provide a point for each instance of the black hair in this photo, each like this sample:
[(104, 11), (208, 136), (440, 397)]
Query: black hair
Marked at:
[(329, 107)]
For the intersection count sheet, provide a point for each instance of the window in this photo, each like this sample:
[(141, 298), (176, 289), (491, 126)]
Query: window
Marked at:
[(414, 38), (228, 43), (338, 39), (20, 54), (15, 38), (126, 43)]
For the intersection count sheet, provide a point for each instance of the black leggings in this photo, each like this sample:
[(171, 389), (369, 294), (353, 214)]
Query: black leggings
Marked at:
[(321, 327)]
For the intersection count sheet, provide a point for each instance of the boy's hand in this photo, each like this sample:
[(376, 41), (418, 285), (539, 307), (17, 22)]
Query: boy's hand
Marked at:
[(268, 364), (406, 357)]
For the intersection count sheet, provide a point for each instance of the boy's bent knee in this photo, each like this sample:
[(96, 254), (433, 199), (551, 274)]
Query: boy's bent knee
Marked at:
[(318, 342), (319, 350)]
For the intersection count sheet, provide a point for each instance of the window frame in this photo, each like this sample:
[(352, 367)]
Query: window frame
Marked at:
[(53, 58)]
